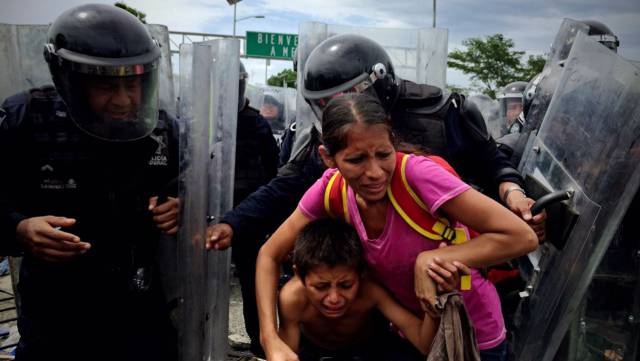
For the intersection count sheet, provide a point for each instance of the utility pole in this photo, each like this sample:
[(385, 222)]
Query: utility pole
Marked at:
[(434, 13), (234, 18)]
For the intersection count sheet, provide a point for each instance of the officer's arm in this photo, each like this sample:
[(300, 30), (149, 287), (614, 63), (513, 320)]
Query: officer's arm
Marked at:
[(266, 208), (12, 111)]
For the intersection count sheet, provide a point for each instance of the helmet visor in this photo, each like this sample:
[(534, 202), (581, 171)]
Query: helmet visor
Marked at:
[(114, 108), (510, 108)]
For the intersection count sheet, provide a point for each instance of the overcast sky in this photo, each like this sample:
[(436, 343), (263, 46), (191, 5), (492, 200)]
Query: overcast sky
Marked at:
[(532, 24)]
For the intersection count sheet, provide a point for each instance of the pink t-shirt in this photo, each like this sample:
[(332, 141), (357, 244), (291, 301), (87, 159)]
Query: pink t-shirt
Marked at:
[(391, 257)]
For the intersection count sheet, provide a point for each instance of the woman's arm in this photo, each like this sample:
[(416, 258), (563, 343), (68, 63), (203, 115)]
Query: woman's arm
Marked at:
[(503, 236), (277, 247)]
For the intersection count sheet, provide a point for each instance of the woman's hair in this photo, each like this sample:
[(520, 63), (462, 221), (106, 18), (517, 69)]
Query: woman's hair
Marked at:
[(327, 242), (347, 109)]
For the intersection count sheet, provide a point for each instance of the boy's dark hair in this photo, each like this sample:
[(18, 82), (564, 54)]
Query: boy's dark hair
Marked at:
[(327, 242)]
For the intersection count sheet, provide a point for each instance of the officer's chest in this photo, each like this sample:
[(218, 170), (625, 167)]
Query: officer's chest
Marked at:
[(70, 173)]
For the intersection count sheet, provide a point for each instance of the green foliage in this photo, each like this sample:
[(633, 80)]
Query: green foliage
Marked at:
[(534, 65), (452, 88), (286, 76), (137, 13), (493, 63)]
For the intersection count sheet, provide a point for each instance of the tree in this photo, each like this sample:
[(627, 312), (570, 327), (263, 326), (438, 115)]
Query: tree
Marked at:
[(534, 65), (286, 76), (493, 63), (137, 13)]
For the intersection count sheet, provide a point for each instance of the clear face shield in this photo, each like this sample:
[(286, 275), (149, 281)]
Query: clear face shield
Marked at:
[(109, 100), (510, 107)]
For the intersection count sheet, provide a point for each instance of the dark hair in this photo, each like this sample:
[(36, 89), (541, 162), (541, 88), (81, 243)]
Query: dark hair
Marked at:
[(327, 242), (347, 109)]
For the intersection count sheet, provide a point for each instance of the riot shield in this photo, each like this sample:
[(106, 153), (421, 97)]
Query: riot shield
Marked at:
[(587, 148), (490, 110), (24, 67), (419, 55), (208, 106), (273, 103), (545, 83)]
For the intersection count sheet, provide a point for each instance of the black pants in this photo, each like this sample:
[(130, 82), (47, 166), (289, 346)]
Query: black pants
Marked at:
[(244, 254), (96, 318)]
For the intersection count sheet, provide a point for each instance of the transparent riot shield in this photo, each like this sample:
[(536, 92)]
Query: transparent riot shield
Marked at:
[(587, 149), (545, 83), (490, 110), (23, 65), (419, 55), (209, 109), (21, 52), (272, 103)]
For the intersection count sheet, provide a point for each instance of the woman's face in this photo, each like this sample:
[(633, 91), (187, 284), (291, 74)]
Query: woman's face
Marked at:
[(367, 162)]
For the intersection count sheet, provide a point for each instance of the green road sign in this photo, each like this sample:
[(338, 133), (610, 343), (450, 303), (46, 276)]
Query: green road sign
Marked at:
[(270, 45)]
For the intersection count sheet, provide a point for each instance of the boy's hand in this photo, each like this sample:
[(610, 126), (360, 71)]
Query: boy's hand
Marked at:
[(447, 274)]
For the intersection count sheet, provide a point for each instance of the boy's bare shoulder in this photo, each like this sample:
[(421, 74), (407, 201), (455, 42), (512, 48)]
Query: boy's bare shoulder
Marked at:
[(292, 298)]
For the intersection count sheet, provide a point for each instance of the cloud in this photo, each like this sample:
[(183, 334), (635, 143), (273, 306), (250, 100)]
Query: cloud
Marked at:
[(532, 24)]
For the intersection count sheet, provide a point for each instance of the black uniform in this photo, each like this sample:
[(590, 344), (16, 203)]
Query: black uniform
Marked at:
[(256, 164), (86, 309)]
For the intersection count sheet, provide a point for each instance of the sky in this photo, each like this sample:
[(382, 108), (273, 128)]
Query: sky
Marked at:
[(531, 24)]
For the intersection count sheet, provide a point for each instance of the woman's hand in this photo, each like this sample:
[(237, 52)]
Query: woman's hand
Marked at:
[(447, 274)]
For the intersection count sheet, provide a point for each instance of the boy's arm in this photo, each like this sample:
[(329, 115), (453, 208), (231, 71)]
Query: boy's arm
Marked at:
[(291, 305), (419, 332)]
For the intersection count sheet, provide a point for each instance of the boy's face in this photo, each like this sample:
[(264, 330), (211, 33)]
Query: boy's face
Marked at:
[(332, 290)]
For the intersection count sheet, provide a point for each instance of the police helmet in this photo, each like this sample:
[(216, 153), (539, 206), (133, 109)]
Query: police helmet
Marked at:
[(348, 63), (511, 102), (104, 63)]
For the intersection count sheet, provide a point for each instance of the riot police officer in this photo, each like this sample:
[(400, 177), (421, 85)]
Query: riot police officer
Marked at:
[(90, 165), (256, 164), (273, 111), (511, 103), (538, 92)]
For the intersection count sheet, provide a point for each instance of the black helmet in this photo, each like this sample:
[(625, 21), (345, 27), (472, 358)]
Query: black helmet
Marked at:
[(511, 102), (242, 87), (104, 64), (602, 34), (346, 63)]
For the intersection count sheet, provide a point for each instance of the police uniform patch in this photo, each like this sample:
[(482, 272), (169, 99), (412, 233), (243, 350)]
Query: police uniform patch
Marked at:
[(161, 155)]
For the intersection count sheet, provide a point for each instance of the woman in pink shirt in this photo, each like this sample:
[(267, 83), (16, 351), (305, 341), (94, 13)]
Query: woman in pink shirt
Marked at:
[(358, 141)]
